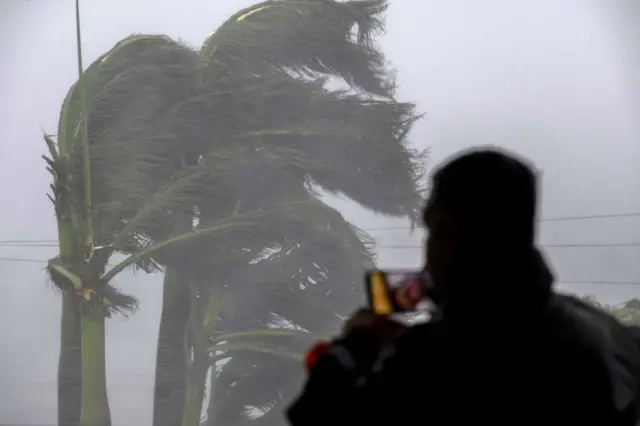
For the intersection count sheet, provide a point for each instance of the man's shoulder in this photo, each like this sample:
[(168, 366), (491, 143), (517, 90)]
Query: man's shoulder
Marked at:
[(580, 307), (595, 322), (617, 346)]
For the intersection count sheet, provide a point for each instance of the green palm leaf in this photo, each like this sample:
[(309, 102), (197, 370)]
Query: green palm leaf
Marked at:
[(111, 297), (294, 267), (304, 36), (264, 369), (265, 385), (276, 222), (354, 146), (341, 141), (128, 89), (280, 342)]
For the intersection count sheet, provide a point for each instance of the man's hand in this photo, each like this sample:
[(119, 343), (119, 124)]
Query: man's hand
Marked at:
[(367, 332), (362, 318)]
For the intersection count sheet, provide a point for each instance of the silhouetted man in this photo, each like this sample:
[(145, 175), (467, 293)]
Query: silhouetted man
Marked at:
[(505, 350)]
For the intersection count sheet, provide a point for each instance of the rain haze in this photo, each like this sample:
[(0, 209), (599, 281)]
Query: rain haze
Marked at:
[(556, 81)]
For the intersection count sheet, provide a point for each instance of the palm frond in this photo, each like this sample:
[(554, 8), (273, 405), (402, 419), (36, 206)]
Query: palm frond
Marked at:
[(347, 144), (228, 236), (279, 342), (242, 382), (114, 301), (299, 259), (359, 147), (304, 36), (128, 88), (60, 277), (274, 416), (305, 283), (310, 285), (307, 274), (272, 134), (117, 302), (217, 177)]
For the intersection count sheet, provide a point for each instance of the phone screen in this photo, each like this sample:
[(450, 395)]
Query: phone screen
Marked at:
[(393, 292)]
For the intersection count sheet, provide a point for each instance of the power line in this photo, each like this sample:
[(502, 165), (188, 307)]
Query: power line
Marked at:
[(591, 245), (630, 283), (17, 259), (625, 283), (382, 246), (3, 244), (547, 219), (410, 246), (415, 247), (109, 374), (54, 242), (588, 217), (28, 241)]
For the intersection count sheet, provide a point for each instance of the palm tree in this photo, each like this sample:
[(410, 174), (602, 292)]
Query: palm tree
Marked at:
[(100, 183), (234, 137), (140, 192), (264, 104), (131, 167)]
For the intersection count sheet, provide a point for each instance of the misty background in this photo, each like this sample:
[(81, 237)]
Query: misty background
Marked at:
[(556, 81)]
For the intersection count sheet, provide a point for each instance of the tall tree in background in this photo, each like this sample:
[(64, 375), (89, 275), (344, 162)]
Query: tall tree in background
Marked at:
[(263, 114), (627, 312)]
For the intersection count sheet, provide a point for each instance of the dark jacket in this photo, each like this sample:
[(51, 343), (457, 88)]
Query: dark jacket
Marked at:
[(635, 332), (564, 364)]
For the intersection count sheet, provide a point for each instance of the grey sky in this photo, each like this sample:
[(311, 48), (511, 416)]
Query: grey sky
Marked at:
[(554, 80)]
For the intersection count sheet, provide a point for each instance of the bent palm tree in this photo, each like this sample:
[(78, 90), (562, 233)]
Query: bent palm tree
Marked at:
[(263, 109), (140, 192), (233, 137), (101, 178)]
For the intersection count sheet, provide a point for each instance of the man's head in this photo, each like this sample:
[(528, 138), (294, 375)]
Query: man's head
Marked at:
[(480, 217)]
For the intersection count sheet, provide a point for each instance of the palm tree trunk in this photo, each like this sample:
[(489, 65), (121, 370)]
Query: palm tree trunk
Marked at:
[(95, 403), (195, 390), (171, 361), (70, 357), (211, 407), (69, 362)]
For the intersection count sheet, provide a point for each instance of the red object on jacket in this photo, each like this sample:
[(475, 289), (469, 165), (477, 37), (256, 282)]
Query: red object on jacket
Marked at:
[(314, 353)]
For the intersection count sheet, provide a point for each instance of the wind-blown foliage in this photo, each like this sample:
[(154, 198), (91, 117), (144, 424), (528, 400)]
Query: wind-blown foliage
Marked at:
[(204, 163), (284, 130), (264, 127), (119, 173), (627, 312)]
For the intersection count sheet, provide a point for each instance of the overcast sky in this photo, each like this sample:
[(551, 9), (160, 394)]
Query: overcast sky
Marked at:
[(557, 81)]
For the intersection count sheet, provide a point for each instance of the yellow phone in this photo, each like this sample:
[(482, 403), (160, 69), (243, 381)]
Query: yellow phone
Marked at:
[(393, 292)]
